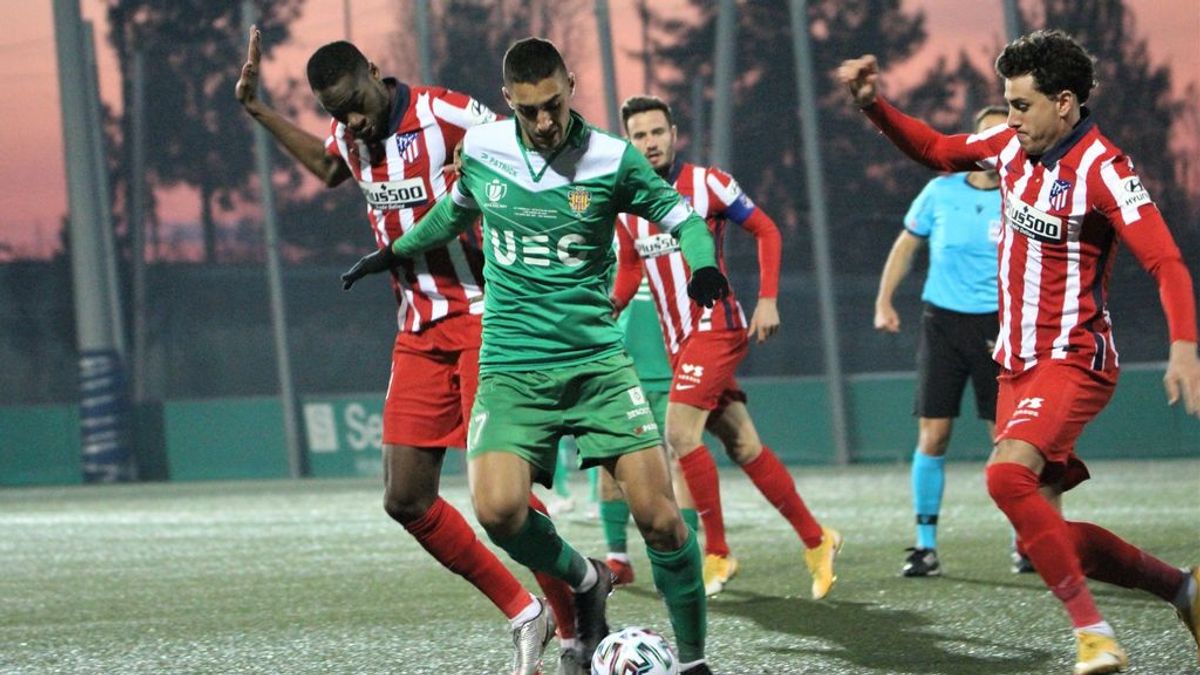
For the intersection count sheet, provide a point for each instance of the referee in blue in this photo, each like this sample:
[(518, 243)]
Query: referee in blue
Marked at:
[(959, 216)]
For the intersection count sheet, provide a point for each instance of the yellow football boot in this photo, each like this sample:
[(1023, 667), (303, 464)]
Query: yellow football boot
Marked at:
[(1097, 654), (820, 562), (718, 570)]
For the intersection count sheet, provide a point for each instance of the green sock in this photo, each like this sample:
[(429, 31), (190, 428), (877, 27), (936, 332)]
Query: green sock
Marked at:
[(593, 475), (677, 575), (692, 518), (538, 547), (615, 515), (562, 473)]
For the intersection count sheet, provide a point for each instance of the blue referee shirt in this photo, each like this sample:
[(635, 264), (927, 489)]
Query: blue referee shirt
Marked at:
[(962, 224)]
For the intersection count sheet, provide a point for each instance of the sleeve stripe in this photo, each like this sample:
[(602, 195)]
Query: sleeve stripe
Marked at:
[(675, 216), (1112, 182), (992, 161), (726, 195), (461, 199), (986, 133)]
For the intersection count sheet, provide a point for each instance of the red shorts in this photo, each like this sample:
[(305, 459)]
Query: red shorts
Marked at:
[(432, 386), (704, 369), (1047, 407)]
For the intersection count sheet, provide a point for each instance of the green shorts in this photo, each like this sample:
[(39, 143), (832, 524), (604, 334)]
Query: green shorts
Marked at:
[(600, 403), (658, 405)]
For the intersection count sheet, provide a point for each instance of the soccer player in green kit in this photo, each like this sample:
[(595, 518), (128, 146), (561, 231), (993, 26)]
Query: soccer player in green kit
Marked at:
[(550, 187), (644, 342)]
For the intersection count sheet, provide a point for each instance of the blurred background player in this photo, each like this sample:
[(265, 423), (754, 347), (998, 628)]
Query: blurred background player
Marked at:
[(1070, 195), (959, 215), (550, 187), (395, 140), (644, 341), (706, 345)]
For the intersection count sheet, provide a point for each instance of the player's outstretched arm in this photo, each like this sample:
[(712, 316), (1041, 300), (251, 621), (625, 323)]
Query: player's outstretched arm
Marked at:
[(444, 222), (308, 149), (922, 143), (1182, 379), (861, 78)]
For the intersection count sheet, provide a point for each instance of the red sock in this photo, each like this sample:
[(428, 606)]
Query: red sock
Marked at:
[(775, 483), (700, 472), (1045, 537), (1109, 558), (559, 595), (450, 540)]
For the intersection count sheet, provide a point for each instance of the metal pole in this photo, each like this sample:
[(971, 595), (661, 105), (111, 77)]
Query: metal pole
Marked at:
[(346, 19), (1012, 19), (287, 394), (424, 53), (696, 144), (722, 115), (137, 221), (103, 199), (103, 408), (604, 32), (643, 9), (806, 89)]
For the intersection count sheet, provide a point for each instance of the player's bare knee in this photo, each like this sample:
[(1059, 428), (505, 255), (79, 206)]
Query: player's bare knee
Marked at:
[(663, 530), (743, 451), (682, 442), (406, 497), (405, 506), (501, 519)]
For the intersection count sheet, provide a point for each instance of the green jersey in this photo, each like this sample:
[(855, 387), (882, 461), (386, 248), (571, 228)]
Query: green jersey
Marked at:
[(548, 223)]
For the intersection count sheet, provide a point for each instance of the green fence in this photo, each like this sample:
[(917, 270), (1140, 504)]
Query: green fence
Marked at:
[(217, 439), (39, 445)]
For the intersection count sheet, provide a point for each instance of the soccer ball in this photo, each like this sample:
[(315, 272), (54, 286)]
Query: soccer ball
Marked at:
[(634, 651)]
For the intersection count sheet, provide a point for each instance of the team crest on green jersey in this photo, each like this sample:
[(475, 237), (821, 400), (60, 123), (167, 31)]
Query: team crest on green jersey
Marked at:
[(496, 190), (579, 199)]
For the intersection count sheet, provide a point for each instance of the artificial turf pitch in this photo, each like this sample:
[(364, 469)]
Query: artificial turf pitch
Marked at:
[(312, 577)]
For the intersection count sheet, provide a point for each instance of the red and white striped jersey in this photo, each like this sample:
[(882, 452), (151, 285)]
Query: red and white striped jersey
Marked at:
[(401, 177), (1064, 214), (716, 196)]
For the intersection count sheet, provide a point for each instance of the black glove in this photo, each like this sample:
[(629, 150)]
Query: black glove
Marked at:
[(373, 263), (707, 286)]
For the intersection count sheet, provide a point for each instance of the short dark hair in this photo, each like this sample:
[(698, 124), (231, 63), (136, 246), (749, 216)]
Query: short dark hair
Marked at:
[(640, 104), (1055, 59), (334, 61), (989, 110), (532, 60)]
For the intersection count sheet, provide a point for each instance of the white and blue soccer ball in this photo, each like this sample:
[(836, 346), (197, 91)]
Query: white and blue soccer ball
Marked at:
[(634, 651)]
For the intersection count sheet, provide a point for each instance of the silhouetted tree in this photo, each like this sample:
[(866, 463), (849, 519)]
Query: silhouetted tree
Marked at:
[(469, 38), (867, 180), (767, 153), (196, 133)]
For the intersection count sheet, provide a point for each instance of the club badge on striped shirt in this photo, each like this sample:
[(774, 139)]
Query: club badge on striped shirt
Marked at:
[(1058, 193), (407, 146)]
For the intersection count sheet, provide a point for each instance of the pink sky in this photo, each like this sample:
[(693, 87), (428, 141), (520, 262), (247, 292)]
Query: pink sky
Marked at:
[(33, 201)]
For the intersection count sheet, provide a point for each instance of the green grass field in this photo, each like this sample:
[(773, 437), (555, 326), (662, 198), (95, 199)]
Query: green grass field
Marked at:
[(311, 577)]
